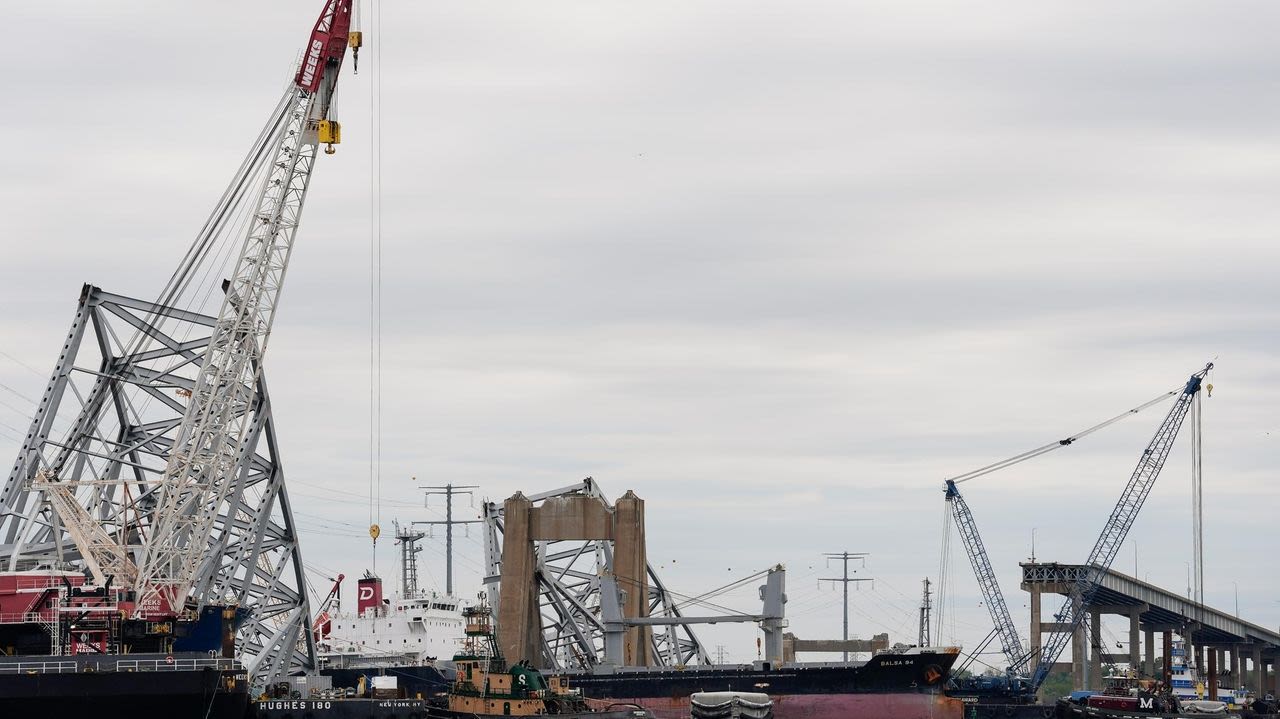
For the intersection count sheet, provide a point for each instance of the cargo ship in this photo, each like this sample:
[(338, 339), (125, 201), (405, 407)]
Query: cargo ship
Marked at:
[(71, 649), (383, 638), (902, 684)]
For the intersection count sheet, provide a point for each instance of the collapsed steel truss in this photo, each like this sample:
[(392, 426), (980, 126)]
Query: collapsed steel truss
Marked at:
[(568, 580), (106, 425)]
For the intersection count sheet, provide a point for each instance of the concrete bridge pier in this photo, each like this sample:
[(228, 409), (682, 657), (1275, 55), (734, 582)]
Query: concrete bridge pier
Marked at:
[(1095, 650), (1149, 653), (1259, 671), (1212, 689)]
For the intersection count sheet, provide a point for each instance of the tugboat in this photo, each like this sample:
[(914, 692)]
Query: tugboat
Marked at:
[(1128, 697), (486, 686)]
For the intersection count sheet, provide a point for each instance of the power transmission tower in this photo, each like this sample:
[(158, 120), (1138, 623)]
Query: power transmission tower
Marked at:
[(408, 541), (926, 608), (845, 580), (449, 491)]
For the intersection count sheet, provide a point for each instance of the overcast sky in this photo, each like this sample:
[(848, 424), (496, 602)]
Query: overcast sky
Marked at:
[(780, 268)]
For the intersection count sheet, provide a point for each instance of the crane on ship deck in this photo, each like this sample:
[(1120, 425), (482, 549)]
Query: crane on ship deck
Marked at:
[(1125, 512)]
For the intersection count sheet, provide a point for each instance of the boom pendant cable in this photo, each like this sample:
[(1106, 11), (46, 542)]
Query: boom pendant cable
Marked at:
[(375, 280), (1071, 439)]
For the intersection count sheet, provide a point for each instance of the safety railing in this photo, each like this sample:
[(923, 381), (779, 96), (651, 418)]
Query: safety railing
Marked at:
[(174, 664), (24, 618), (37, 668)]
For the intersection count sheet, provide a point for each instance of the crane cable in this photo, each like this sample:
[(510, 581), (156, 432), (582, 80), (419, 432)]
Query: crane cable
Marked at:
[(375, 277), (1031, 454)]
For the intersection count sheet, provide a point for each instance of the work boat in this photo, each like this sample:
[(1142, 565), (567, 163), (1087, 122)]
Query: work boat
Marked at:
[(1128, 697), (486, 686), (1189, 684)]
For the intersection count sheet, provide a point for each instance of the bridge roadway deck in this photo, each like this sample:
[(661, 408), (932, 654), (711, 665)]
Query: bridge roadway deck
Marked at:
[(1161, 608), (1153, 609)]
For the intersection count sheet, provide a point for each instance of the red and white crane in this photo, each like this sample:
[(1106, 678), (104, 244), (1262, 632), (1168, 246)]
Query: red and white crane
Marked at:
[(208, 453)]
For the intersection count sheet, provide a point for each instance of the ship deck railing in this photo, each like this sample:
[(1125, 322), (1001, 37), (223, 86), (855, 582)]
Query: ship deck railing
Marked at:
[(26, 617), (38, 668), (176, 664)]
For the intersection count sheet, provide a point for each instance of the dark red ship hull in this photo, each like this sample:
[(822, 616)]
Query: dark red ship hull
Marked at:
[(889, 686), (829, 706)]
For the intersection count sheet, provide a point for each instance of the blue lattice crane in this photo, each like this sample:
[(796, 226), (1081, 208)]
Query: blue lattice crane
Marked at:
[(1005, 630), (1117, 528)]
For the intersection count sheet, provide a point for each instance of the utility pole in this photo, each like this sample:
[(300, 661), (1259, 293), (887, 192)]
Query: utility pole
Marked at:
[(845, 580), (926, 608), (449, 491)]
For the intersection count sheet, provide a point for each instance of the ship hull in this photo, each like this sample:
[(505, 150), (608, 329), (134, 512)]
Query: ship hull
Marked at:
[(398, 709), (827, 706), (124, 695), (889, 686)]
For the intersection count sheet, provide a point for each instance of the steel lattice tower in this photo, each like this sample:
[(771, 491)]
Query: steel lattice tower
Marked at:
[(105, 426)]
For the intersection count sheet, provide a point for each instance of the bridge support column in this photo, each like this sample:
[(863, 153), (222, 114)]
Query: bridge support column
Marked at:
[(1167, 672), (1035, 635), (1259, 671), (1095, 650), (1237, 666), (1079, 653), (1149, 654), (1135, 629), (1213, 674)]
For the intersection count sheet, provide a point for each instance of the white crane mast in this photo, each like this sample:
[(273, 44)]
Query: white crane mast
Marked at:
[(204, 461), (209, 452), (207, 457)]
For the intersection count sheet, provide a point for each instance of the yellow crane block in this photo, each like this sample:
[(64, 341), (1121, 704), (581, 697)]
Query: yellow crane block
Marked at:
[(330, 133)]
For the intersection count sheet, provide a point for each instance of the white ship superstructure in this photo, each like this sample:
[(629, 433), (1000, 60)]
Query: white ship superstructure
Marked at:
[(409, 631), (1188, 682)]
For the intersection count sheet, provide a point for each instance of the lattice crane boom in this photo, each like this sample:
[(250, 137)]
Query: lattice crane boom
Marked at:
[(1117, 527), (208, 453), (1006, 631)]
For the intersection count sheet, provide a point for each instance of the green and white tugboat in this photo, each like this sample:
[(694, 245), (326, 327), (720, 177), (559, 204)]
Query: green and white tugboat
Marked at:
[(486, 686)]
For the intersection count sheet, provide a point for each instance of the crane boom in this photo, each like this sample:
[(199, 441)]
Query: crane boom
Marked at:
[(1010, 644), (206, 457), (1117, 527)]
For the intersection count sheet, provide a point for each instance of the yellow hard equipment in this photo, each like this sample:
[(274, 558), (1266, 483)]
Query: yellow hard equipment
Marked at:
[(330, 133)]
